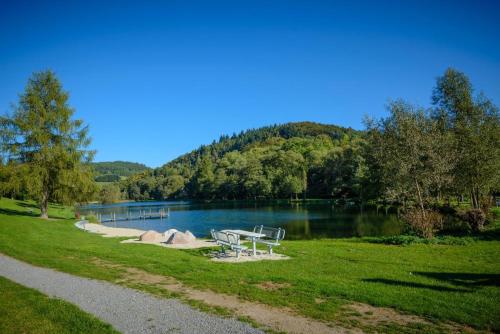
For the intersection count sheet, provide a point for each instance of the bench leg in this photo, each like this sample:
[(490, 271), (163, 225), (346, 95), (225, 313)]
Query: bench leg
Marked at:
[(237, 253), (223, 249), (270, 250)]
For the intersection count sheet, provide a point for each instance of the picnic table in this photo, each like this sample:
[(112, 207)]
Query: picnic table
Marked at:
[(252, 235)]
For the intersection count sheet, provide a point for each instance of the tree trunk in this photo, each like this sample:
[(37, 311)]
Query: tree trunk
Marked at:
[(44, 205), (421, 202)]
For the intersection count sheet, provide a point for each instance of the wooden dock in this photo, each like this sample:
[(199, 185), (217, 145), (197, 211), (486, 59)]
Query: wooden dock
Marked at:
[(143, 215)]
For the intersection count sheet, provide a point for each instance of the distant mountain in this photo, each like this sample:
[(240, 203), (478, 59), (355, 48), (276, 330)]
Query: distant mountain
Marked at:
[(110, 171), (278, 161)]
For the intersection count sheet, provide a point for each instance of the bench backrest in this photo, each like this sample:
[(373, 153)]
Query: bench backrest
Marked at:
[(270, 232), (224, 237)]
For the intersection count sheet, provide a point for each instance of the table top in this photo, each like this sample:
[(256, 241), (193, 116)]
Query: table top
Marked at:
[(245, 233)]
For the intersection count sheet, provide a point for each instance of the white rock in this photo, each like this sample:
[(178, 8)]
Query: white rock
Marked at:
[(190, 235), (168, 233)]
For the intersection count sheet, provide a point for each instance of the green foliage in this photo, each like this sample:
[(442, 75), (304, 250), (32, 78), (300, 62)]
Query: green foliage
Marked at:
[(405, 240), (110, 193), (418, 157), (108, 178), (115, 169), (473, 126), (281, 161), (44, 147)]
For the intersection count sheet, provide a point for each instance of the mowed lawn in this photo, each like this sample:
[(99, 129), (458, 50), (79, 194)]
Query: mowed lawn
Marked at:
[(24, 310), (459, 283)]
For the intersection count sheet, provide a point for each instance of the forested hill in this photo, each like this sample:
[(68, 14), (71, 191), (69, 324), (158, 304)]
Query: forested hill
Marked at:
[(278, 161), (110, 171)]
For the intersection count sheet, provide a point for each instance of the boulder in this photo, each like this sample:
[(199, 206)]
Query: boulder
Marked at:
[(168, 233), (181, 238), (151, 236), (190, 235)]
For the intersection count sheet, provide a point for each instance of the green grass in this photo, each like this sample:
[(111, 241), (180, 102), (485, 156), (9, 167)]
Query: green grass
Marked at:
[(458, 283), (24, 310)]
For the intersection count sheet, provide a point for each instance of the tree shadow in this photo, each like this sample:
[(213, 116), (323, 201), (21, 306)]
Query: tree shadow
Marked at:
[(13, 212), (470, 280), (26, 205), (414, 285)]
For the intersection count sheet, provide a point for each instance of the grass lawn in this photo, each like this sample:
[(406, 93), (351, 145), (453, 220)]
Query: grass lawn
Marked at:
[(459, 283), (24, 310)]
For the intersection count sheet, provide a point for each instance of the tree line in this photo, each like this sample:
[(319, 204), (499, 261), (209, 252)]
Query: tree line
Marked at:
[(415, 158)]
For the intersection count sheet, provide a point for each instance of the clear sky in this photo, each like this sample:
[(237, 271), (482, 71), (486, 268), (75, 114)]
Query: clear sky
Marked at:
[(157, 79)]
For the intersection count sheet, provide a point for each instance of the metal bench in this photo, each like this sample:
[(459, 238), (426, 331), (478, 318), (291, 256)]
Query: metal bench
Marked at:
[(228, 239), (272, 238)]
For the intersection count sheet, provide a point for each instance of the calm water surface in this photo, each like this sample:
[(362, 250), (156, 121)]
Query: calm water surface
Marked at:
[(300, 221)]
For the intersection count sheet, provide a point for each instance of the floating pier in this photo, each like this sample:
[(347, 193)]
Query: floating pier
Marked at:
[(143, 214)]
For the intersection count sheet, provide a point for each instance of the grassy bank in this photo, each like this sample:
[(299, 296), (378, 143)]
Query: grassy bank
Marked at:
[(24, 310), (459, 283)]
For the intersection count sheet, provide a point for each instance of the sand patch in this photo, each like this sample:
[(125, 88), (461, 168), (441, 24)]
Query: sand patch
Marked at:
[(108, 232), (374, 316), (247, 256), (272, 286), (198, 243)]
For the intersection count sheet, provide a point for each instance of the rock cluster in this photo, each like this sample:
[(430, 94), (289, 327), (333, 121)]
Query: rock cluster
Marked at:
[(171, 236)]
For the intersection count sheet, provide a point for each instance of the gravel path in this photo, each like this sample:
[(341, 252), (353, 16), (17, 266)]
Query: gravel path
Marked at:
[(128, 310)]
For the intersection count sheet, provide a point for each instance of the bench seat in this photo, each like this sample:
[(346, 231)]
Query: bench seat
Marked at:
[(272, 236)]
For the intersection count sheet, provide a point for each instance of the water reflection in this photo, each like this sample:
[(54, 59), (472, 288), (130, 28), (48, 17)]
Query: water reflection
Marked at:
[(300, 221)]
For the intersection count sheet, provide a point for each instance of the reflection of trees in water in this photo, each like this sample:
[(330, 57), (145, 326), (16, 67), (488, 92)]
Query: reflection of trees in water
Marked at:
[(300, 221), (377, 225)]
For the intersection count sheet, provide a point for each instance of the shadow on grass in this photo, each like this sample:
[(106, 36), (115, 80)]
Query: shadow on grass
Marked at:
[(414, 285), (12, 212), (469, 280)]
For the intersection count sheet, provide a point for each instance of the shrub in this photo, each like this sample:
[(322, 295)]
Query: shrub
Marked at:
[(475, 218), (423, 223), (91, 218), (406, 240)]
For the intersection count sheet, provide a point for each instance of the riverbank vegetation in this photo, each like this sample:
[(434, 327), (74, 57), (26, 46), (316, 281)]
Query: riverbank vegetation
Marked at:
[(439, 282)]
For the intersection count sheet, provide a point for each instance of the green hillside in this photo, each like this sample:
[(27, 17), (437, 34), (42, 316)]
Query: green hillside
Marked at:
[(278, 161), (111, 171)]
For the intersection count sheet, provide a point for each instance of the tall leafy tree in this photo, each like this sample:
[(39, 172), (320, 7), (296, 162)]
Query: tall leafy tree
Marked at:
[(473, 124), (42, 137), (406, 149)]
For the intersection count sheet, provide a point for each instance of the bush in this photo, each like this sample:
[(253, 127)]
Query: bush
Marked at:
[(423, 223), (91, 218), (476, 219), (110, 193), (406, 240)]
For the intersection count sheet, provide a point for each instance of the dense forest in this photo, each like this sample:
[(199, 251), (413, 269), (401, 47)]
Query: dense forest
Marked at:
[(111, 171), (279, 161)]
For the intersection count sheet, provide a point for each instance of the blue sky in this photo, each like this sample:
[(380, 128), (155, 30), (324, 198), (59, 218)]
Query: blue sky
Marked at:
[(157, 79)]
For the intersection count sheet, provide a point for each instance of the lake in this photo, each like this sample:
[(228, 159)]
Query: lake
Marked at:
[(301, 221)]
